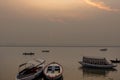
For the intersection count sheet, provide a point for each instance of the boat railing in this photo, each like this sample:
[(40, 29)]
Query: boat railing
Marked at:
[(53, 69), (102, 61)]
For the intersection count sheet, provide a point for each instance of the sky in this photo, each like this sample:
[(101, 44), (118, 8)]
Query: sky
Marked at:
[(60, 22)]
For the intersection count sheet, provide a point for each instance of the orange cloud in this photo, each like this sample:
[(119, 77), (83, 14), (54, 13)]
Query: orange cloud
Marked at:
[(100, 5)]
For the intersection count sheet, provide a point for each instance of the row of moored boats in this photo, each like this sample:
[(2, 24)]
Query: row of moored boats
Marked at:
[(54, 70), (35, 68)]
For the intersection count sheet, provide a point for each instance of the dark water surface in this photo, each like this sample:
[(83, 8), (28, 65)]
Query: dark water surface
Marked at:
[(68, 57)]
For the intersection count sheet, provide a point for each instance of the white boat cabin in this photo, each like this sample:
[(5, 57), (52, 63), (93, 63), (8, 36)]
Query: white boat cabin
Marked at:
[(99, 61)]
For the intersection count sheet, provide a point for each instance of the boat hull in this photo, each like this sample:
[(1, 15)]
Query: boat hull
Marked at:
[(27, 78), (53, 78), (96, 65), (52, 75), (30, 77), (32, 71)]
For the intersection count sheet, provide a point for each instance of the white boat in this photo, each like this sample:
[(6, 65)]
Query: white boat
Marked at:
[(53, 71), (96, 63), (31, 69)]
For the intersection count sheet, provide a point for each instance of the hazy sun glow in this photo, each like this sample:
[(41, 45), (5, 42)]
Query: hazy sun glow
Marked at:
[(57, 10), (60, 22), (55, 4), (67, 4)]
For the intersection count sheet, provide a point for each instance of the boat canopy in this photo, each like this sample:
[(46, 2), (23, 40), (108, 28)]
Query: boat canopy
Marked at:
[(95, 60), (34, 62)]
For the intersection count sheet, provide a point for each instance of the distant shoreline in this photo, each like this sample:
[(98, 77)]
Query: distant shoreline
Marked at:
[(49, 46)]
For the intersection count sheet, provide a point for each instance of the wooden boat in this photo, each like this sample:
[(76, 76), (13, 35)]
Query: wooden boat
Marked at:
[(29, 53), (45, 51), (103, 49), (115, 61), (31, 70), (53, 71), (96, 63)]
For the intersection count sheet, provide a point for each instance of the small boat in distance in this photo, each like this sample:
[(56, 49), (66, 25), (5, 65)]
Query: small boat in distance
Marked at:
[(96, 63), (31, 53), (30, 69), (53, 71), (103, 49), (115, 61), (45, 51)]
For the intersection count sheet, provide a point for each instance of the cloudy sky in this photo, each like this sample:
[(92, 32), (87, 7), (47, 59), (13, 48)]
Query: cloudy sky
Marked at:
[(60, 22)]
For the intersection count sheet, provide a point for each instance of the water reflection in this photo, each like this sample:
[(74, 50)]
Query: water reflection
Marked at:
[(43, 78), (95, 71)]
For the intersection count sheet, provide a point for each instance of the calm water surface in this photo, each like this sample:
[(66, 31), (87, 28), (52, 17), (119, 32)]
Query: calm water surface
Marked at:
[(68, 57)]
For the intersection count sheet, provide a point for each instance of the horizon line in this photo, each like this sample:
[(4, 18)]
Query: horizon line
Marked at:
[(59, 46)]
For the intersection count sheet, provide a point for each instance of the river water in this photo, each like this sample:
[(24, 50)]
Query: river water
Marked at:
[(68, 57)]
